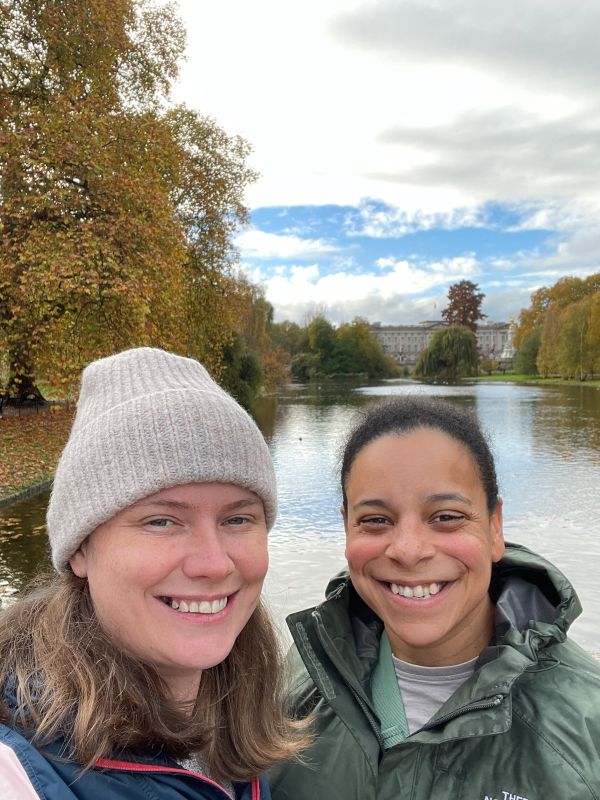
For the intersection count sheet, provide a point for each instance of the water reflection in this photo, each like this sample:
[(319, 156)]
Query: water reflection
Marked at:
[(23, 543), (547, 445)]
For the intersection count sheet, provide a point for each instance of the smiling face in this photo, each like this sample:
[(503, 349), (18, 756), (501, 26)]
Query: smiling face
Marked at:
[(420, 542), (176, 576)]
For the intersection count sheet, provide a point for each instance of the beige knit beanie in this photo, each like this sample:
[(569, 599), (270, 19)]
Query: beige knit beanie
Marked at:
[(147, 420)]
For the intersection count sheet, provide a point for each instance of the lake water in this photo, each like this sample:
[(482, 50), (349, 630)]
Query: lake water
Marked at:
[(546, 441)]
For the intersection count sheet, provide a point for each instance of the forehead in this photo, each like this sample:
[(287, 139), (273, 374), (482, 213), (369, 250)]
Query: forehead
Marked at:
[(192, 494), (427, 452)]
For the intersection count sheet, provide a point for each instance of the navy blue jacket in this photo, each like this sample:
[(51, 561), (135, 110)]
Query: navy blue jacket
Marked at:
[(28, 774)]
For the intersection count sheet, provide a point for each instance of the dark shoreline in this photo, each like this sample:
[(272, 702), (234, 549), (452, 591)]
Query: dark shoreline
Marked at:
[(24, 494)]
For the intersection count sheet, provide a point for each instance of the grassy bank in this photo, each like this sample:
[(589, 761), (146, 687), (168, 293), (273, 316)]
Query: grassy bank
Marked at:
[(30, 447), (511, 377)]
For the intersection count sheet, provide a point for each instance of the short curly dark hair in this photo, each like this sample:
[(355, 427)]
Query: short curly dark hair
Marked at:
[(400, 415)]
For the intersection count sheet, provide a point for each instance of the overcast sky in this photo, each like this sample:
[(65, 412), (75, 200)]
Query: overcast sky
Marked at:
[(406, 144)]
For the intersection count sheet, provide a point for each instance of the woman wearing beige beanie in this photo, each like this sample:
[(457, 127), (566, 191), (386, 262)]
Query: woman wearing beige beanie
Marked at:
[(148, 667)]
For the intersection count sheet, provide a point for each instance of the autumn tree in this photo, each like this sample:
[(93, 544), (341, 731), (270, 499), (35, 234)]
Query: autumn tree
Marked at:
[(547, 360), (565, 291), (576, 353), (450, 355), (207, 190), (563, 318), (593, 331), (116, 211), (464, 305)]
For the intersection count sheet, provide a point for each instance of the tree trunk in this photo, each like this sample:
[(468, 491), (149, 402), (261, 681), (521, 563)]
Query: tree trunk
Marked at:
[(21, 387)]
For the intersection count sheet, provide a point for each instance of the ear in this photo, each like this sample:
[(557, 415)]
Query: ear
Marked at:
[(497, 532), (78, 561)]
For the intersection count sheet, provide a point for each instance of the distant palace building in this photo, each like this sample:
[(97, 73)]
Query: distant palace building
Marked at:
[(405, 343)]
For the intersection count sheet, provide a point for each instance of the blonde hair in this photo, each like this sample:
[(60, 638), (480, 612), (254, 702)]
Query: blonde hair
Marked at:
[(70, 679)]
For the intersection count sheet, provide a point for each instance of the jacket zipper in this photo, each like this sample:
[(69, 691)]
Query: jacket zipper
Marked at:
[(493, 703), (132, 766), (370, 719), (357, 696)]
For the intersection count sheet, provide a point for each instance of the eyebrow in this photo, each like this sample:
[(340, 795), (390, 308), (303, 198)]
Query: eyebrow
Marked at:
[(443, 496), (177, 504), (439, 497), (368, 503)]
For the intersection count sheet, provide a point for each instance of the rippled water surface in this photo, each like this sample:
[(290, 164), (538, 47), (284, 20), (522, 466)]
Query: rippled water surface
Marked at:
[(547, 446)]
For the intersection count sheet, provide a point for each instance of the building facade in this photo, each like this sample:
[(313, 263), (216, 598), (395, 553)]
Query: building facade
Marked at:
[(405, 343)]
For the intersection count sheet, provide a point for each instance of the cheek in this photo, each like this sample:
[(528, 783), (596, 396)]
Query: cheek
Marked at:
[(253, 562), (474, 554), (360, 550), (117, 581)]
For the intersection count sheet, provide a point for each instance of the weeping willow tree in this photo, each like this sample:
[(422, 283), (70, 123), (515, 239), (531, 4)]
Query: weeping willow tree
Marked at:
[(450, 355)]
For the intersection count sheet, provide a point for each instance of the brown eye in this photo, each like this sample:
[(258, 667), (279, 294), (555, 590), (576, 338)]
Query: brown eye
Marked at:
[(448, 518), (373, 522)]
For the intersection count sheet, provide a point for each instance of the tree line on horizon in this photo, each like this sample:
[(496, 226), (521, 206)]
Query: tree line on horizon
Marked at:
[(559, 333)]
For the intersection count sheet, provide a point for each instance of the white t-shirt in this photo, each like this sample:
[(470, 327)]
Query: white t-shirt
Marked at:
[(424, 690)]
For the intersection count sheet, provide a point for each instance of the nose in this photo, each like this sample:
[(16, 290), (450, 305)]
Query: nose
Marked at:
[(410, 542), (207, 555)]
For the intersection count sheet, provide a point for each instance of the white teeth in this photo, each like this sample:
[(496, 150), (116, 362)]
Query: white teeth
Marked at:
[(197, 606), (420, 592)]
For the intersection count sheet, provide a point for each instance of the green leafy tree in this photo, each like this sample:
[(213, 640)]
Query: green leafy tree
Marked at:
[(288, 336), (450, 355), (350, 349), (305, 366), (321, 342), (526, 356), (464, 305), (242, 374), (358, 350)]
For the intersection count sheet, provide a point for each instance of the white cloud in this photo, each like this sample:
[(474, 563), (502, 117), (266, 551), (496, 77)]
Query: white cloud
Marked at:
[(504, 153), (549, 42), (259, 244), (344, 295), (378, 221)]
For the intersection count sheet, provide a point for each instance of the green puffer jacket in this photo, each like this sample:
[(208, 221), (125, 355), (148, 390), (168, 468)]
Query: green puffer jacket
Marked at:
[(525, 726)]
